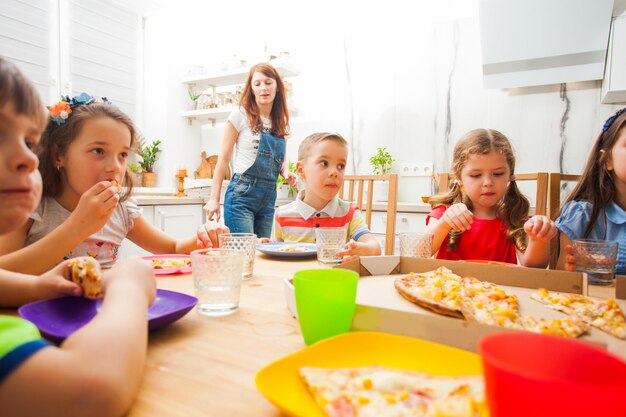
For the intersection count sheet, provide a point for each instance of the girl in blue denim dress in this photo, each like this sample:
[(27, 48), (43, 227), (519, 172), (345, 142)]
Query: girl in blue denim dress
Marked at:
[(257, 130), (596, 208)]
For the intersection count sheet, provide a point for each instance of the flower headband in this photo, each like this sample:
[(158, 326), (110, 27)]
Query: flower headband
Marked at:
[(60, 111), (611, 119)]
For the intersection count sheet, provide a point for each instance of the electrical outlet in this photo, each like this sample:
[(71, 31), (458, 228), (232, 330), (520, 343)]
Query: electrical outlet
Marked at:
[(418, 169)]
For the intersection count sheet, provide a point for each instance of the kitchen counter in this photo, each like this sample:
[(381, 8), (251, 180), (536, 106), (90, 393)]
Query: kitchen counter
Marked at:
[(158, 200)]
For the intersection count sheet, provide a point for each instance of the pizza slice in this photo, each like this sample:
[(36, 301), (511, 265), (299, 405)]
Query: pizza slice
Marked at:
[(438, 290), (85, 271), (165, 263), (606, 315), (375, 391)]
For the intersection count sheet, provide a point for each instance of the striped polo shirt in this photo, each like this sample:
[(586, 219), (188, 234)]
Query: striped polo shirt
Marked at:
[(296, 221)]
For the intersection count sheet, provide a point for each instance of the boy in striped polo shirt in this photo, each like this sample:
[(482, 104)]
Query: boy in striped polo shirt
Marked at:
[(321, 164)]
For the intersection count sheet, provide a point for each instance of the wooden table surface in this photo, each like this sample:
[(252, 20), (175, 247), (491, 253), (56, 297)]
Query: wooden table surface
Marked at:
[(205, 366)]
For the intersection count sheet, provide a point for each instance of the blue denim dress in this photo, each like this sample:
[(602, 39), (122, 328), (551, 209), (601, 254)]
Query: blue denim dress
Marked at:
[(250, 197)]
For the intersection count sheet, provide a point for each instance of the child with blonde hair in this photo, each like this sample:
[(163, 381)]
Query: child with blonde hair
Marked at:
[(79, 377), (484, 216), (321, 164), (83, 155), (596, 208)]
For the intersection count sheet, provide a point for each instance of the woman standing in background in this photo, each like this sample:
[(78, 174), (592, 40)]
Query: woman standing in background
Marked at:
[(257, 130)]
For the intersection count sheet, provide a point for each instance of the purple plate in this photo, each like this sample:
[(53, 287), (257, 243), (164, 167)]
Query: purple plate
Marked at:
[(58, 318)]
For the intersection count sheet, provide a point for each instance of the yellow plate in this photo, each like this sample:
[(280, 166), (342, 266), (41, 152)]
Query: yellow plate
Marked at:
[(281, 384)]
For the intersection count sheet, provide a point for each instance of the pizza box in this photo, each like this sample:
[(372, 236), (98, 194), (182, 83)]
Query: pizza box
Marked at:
[(381, 308)]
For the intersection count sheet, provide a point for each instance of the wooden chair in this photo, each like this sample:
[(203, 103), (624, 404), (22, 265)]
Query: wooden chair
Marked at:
[(554, 206), (366, 206), (541, 198)]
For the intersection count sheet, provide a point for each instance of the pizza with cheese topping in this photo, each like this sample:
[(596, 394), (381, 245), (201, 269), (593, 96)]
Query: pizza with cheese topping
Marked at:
[(85, 271), (293, 248), (606, 315), (439, 290), (376, 391), (163, 263)]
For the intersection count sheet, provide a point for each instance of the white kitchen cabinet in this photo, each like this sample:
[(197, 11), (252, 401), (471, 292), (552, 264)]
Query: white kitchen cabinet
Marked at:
[(179, 221), (224, 78), (614, 83)]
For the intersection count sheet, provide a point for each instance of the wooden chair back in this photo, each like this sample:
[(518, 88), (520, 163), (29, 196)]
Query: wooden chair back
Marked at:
[(541, 198), (350, 181)]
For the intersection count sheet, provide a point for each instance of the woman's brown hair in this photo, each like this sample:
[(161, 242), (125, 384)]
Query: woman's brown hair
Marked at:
[(279, 115), (597, 183), (513, 209), (17, 90), (57, 138)]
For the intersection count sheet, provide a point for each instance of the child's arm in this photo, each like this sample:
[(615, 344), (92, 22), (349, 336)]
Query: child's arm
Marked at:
[(540, 230), (93, 211), (366, 245), (457, 217), (97, 370), (212, 207), (155, 240), (19, 289)]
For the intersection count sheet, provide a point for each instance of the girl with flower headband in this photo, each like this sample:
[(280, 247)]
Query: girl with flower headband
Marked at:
[(484, 216), (596, 208), (82, 156)]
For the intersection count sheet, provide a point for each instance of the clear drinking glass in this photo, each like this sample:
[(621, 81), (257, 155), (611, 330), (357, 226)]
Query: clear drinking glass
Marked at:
[(329, 240), (245, 242), (597, 259), (217, 275), (416, 244)]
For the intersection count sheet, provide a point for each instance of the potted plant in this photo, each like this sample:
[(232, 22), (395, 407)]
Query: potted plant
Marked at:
[(193, 104), (381, 163), (149, 155), (135, 172), (285, 191)]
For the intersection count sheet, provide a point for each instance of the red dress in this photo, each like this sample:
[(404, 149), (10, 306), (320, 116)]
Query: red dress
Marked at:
[(486, 240)]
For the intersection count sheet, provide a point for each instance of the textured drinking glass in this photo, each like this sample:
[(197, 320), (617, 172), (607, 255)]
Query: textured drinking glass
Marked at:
[(329, 240), (217, 275), (597, 259), (325, 300), (416, 244), (245, 242)]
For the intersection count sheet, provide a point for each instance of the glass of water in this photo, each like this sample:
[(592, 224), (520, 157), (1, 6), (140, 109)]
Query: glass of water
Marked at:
[(416, 244), (597, 259), (217, 276), (245, 242), (329, 240)]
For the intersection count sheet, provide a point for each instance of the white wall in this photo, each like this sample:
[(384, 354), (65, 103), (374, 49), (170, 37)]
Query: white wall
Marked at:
[(400, 74)]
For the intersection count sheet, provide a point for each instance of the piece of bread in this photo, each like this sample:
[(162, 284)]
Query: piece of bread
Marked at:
[(86, 272)]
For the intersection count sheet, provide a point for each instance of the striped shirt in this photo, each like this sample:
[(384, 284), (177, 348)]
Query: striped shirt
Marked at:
[(296, 221)]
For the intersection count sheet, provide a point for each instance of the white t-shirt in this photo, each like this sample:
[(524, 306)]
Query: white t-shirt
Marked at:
[(247, 142)]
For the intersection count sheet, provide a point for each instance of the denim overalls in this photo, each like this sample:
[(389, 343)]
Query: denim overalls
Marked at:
[(250, 197)]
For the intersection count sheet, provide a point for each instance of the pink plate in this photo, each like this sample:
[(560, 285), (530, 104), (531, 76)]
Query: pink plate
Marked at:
[(168, 271)]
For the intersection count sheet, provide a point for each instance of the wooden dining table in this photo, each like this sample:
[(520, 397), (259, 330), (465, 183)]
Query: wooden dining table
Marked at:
[(205, 366)]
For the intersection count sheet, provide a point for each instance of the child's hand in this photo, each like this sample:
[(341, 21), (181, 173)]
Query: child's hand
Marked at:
[(132, 273), (208, 235), (263, 240), (55, 283), (291, 178), (570, 260), (95, 208), (458, 217), (540, 228), (350, 251)]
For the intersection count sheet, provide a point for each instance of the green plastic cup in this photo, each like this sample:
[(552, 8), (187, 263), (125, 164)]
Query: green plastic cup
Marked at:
[(325, 300)]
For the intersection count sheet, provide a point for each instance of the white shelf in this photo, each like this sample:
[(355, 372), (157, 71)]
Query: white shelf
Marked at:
[(218, 114), (232, 77)]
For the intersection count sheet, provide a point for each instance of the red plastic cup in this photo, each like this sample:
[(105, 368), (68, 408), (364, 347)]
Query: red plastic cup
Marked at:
[(528, 374)]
